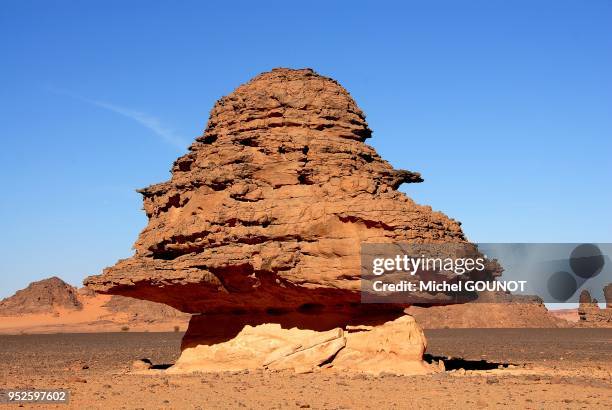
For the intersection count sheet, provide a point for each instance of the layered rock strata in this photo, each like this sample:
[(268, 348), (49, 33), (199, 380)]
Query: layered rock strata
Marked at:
[(264, 217), (269, 207)]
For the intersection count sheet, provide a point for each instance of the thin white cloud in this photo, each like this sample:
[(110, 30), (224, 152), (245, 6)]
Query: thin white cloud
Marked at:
[(148, 121)]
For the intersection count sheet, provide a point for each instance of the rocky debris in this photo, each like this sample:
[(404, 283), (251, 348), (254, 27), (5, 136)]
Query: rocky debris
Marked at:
[(270, 206), (395, 347), (44, 296), (141, 364), (591, 314)]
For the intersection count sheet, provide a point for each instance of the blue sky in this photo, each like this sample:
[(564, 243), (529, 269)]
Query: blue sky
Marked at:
[(505, 107)]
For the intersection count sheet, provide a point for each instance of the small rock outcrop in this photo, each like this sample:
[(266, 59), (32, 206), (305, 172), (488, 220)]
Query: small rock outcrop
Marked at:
[(608, 295), (591, 314), (262, 222), (43, 296)]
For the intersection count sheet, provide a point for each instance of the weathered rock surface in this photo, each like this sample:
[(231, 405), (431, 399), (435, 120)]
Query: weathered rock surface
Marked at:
[(269, 207), (41, 297), (393, 347), (258, 233)]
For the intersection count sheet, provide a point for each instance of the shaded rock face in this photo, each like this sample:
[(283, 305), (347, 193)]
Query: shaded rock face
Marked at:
[(211, 329), (41, 297), (267, 211)]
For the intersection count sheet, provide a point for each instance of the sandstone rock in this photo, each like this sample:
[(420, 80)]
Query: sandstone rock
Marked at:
[(585, 298), (268, 209), (608, 295), (41, 297), (266, 345), (210, 329), (141, 364), (591, 314), (258, 233), (395, 347)]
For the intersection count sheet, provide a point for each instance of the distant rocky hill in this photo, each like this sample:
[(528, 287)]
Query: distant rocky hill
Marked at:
[(502, 311), (52, 305), (143, 310), (43, 296)]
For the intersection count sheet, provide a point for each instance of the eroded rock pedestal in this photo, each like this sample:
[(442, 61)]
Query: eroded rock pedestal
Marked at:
[(395, 347), (267, 212)]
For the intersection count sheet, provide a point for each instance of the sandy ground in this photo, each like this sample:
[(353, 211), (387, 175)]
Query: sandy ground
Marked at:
[(94, 317), (571, 315), (542, 368)]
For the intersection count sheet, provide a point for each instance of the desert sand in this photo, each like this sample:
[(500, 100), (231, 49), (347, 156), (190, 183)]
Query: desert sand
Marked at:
[(93, 318), (53, 306), (541, 368)]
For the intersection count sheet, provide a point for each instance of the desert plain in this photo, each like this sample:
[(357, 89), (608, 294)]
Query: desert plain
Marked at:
[(485, 368)]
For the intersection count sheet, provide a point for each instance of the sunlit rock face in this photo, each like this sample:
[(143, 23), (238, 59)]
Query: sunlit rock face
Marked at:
[(267, 211), (258, 234)]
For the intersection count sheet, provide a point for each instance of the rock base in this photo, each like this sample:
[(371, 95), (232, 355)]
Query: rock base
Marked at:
[(394, 347)]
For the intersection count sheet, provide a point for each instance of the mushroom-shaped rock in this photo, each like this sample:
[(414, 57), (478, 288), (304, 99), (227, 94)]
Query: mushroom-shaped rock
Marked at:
[(266, 214)]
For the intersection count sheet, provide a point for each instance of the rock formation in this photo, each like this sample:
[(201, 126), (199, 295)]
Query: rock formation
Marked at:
[(263, 219), (53, 306), (41, 297), (608, 295), (591, 314), (502, 311), (395, 346)]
